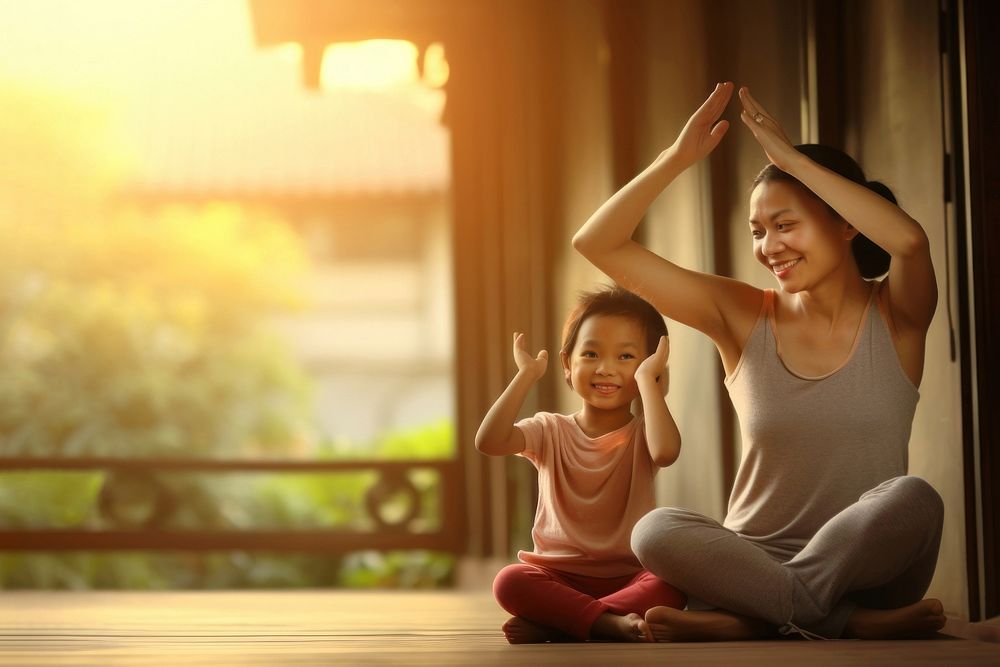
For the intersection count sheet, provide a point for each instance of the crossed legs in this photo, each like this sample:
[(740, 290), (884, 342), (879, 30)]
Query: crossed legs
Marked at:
[(879, 552), (551, 605)]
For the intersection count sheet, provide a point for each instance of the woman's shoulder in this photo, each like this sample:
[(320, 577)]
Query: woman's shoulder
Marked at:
[(739, 303)]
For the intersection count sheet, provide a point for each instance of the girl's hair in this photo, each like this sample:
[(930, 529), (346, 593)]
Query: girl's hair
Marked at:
[(614, 300), (872, 260)]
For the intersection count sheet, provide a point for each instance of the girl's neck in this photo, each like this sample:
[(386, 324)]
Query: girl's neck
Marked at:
[(595, 422)]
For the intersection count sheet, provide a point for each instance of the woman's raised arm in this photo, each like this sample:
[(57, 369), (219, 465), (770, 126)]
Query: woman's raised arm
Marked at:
[(696, 299)]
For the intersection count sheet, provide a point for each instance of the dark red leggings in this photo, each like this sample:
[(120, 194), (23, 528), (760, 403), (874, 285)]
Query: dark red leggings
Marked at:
[(572, 602)]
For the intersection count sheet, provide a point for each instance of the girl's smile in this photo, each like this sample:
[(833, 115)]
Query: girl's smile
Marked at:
[(605, 388)]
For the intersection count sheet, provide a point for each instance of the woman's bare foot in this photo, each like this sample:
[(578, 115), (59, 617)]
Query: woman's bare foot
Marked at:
[(920, 619), (519, 630), (675, 625), (988, 631), (628, 628)]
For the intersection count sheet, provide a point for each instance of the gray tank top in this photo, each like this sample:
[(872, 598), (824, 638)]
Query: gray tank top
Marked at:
[(813, 445)]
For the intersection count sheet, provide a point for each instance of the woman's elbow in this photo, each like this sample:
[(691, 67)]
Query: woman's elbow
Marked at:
[(915, 243)]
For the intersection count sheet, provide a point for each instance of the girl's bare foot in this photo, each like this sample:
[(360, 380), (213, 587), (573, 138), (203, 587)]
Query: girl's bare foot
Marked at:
[(920, 619), (628, 628), (675, 625), (518, 630)]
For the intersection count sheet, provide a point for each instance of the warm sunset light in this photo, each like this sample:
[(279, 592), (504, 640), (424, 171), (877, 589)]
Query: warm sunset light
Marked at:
[(381, 63), (168, 186), (375, 63), (436, 69), (203, 258), (115, 45)]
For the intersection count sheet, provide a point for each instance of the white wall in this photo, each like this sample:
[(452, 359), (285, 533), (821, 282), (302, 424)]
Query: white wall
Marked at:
[(378, 339), (896, 136)]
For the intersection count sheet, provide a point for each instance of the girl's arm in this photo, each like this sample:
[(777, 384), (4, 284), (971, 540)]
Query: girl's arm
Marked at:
[(887, 225), (706, 302), (662, 436), (497, 435)]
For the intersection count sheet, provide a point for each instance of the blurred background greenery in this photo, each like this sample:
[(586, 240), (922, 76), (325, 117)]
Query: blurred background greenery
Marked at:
[(130, 331)]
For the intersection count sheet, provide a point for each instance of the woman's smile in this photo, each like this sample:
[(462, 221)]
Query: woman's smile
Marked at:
[(782, 269)]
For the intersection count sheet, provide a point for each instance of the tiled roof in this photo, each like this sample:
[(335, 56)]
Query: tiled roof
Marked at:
[(205, 111), (287, 142)]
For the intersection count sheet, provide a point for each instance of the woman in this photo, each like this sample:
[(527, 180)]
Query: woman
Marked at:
[(825, 534)]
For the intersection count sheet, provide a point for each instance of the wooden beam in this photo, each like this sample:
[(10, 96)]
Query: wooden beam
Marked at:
[(317, 541)]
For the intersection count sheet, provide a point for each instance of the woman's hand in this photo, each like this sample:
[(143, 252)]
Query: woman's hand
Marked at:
[(767, 132), (534, 367), (702, 133), (653, 367)]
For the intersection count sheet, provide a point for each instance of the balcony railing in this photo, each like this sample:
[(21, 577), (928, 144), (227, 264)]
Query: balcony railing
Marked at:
[(391, 481)]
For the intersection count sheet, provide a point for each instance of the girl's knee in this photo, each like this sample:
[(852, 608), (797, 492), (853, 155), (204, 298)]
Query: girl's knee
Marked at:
[(510, 583)]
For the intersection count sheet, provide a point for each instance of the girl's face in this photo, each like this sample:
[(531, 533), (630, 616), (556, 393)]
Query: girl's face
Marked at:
[(601, 367), (796, 237)]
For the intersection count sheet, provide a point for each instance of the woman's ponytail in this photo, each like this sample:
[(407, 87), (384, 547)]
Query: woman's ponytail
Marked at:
[(872, 260)]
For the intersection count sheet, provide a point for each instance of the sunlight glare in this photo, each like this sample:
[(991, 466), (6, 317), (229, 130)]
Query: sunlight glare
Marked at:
[(436, 69), (289, 52), (376, 63)]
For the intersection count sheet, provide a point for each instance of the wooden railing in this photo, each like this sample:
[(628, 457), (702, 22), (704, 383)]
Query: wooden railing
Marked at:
[(391, 480)]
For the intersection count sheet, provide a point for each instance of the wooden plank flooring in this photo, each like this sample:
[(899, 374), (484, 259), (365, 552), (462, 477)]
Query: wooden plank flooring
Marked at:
[(370, 628)]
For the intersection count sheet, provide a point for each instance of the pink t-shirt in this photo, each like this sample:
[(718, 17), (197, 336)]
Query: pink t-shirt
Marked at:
[(591, 492)]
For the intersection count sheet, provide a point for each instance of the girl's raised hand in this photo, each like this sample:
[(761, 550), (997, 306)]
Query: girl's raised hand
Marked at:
[(766, 131), (654, 366), (525, 362), (702, 133)]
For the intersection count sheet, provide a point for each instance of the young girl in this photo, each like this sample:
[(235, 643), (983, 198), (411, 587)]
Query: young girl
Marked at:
[(595, 476), (825, 535)]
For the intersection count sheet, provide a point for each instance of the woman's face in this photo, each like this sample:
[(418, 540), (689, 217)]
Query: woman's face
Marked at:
[(796, 236)]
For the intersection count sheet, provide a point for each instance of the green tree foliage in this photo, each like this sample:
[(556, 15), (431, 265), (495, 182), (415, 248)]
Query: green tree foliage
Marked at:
[(141, 330), (144, 337), (132, 330)]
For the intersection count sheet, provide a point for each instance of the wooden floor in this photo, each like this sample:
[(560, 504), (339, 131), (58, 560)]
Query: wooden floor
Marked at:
[(345, 628)]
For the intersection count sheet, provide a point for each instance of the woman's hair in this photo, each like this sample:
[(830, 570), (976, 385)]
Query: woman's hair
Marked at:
[(872, 260), (614, 300)]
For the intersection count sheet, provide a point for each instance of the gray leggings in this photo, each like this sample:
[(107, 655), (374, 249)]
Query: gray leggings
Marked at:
[(879, 552)]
